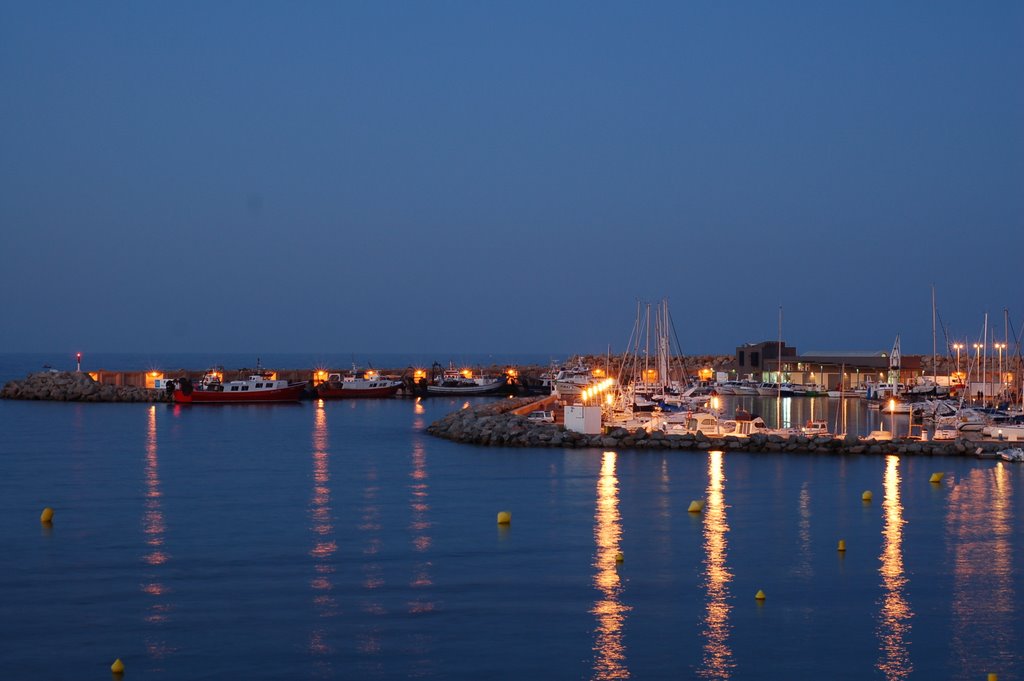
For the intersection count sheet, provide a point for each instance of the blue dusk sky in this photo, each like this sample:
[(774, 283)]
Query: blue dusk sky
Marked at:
[(507, 177)]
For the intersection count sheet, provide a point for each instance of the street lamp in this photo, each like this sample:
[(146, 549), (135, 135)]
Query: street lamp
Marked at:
[(958, 347), (1000, 347)]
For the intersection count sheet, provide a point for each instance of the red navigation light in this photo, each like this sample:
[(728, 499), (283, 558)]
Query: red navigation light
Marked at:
[(78, 356)]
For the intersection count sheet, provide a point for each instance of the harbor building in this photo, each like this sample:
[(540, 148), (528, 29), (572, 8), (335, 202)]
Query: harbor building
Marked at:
[(761, 362)]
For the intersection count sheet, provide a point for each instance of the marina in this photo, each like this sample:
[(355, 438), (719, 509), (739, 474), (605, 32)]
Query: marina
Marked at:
[(337, 343)]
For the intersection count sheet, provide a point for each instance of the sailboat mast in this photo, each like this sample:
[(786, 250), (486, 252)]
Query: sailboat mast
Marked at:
[(647, 344), (935, 375), (778, 377), (984, 358)]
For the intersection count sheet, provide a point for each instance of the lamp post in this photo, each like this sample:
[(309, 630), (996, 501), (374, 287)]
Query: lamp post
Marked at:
[(977, 356), (1000, 347), (958, 347)]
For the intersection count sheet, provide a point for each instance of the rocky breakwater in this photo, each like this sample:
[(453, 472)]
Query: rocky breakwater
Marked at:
[(68, 386), (495, 425)]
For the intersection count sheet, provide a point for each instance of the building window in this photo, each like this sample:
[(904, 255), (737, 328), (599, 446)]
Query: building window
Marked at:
[(755, 359), (741, 353)]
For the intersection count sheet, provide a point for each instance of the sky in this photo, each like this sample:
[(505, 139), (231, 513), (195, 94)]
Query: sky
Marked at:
[(507, 177)]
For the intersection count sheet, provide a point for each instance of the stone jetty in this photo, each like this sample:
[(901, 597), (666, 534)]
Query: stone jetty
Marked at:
[(494, 424), (72, 386)]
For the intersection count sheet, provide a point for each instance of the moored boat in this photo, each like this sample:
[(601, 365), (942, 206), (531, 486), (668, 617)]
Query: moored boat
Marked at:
[(259, 387), (367, 384), (462, 382)]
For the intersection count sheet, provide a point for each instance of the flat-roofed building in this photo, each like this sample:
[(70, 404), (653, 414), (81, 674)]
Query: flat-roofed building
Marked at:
[(828, 368)]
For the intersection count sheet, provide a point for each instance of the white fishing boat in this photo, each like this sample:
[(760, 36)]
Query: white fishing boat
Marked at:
[(463, 382), (570, 381)]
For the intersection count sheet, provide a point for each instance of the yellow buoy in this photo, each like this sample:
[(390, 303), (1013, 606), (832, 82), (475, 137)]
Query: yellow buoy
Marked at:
[(46, 516), (993, 677), (696, 506), (117, 667), (842, 544), (936, 477), (619, 557), (504, 518), (866, 496), (759, 595)]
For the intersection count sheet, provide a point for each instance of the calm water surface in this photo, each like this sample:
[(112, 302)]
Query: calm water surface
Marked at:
[(336, 540)]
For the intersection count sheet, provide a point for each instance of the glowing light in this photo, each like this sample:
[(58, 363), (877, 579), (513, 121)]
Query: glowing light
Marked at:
[(467, 373), (511, 373), (418, 374)]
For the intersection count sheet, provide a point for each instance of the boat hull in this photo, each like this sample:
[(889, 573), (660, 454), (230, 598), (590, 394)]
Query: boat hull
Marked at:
[(292, 393), (325, 391), (466, 390)]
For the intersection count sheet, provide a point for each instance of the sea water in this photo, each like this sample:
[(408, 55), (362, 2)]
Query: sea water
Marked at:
[(337, 540)]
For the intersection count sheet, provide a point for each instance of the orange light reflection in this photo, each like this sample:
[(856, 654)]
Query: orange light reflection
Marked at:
[(609, 650), (717, 662), (154, 527), (324, 545), (894, 619)]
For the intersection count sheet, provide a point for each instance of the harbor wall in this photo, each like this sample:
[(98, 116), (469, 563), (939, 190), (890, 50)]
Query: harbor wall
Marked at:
[(500, 424)]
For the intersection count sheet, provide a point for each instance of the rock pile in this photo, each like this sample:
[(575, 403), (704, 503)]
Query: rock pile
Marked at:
[(68, 386), (494, 425)]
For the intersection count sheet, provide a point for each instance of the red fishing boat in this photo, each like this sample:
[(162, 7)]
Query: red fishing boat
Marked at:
[(369, 384), (259, 387)]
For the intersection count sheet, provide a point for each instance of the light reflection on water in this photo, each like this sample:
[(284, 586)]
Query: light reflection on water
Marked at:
[(154, 528), (847, 415), (324, 544), (717, 661), (609, 649), (369, 638), (981, 551), (895, 616), (805, 565)]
